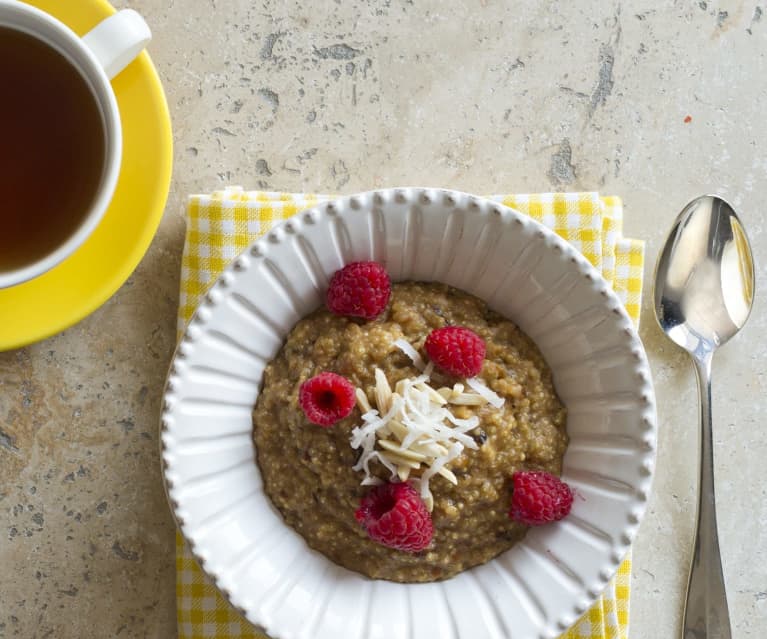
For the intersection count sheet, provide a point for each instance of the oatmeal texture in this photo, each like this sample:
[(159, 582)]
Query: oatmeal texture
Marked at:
[(307, 469)]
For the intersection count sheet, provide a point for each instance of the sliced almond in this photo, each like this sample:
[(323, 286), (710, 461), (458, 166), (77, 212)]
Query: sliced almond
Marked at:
[(362, 401), (447, 474), (399, 460), (445, 392), (434, 396), (403, 472), (404, 452), (432, 449), (468, 399), (399, 429), (383, 392), (458, 388)]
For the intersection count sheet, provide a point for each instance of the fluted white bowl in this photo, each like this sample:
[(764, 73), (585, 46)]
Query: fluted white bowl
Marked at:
[(525, 272)]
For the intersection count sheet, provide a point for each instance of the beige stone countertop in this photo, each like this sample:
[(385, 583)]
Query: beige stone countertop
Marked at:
[(347, 95)]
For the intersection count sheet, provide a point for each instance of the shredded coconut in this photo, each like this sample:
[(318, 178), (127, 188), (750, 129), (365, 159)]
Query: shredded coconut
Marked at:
[(490, 396), (413, 354), (412, 428)]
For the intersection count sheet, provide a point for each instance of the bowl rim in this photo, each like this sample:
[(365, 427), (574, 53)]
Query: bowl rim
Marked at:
[(329, 206)]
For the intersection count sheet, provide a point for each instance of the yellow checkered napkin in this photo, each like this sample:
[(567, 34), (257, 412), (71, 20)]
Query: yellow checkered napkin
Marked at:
[(221, 225)]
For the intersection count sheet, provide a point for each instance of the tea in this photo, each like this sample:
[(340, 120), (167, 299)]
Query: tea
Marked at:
[(52, 149)]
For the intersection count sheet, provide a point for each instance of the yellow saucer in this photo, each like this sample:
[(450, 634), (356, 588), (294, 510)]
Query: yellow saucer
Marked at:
[(78, 286)]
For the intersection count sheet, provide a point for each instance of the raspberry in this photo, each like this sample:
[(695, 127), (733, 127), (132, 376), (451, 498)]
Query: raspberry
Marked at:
[(326, 398), (359, 289), (539, 498), (456, 350), (394, 515)]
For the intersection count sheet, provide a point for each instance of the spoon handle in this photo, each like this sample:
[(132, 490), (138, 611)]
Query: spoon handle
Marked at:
[(706, 615)]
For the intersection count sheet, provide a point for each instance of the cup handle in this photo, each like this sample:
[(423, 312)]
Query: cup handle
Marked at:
[(117, 40)]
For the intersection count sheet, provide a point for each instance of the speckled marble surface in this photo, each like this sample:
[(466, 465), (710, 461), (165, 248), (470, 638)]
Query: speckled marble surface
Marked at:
[(481, 95)]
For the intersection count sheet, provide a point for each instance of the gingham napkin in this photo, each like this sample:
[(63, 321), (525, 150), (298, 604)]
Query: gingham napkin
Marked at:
[(223, 224)]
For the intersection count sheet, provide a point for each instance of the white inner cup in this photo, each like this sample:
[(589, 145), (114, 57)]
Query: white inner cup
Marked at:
[(99, 56)]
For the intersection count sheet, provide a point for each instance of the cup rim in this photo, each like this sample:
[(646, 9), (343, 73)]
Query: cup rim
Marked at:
[(53, 33)]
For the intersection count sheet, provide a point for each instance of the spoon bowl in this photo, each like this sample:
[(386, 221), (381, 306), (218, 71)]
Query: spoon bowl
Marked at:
[(704, 291), (704, 280)]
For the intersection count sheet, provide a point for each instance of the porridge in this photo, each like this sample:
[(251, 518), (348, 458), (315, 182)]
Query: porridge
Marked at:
[(505, 419)]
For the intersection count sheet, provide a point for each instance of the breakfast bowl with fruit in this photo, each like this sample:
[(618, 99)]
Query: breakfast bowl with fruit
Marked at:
[(409, 411)]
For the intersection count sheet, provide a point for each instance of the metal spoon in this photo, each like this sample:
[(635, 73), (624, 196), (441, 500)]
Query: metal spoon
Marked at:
[(704, 289)]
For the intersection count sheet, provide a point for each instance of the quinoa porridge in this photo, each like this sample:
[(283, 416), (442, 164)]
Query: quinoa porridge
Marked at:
[(308, 471)]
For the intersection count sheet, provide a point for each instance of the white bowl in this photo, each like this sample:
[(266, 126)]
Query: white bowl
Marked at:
[(525, 272)]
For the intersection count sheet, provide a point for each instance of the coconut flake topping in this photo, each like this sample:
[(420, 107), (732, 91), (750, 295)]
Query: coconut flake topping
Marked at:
[(412, 428)]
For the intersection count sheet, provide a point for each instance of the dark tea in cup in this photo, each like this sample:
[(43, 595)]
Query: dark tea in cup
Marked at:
[(60, 132), (52, 149)]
